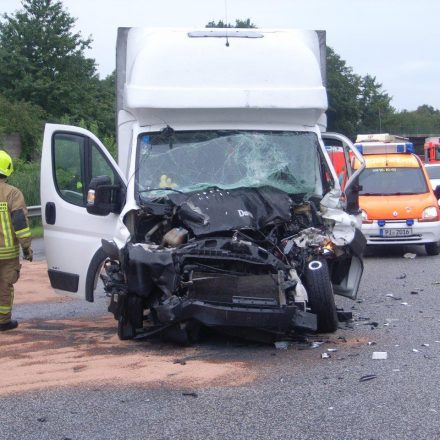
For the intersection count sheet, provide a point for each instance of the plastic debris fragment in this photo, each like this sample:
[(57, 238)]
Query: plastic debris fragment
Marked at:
[(415, 350), (332, 350), (404, 304), (409, 255), (189, 394), (316, 344), (325, 356), (367, 377), (425, 345), (282, 345), (372, 343), (379, 355), (390, 295)]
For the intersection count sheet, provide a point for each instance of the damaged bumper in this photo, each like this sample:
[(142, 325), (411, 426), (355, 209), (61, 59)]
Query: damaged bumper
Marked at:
[(282, 319)]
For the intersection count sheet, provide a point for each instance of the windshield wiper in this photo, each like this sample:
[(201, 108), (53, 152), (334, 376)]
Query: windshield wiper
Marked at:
[(165, 188)]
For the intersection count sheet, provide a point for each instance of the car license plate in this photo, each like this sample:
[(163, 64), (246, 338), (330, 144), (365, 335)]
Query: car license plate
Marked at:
[(401, 232)]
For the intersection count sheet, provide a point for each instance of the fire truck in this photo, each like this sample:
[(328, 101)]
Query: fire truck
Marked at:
[(432, 150)]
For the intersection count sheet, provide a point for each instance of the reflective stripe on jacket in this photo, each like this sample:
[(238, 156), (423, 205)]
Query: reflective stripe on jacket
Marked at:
[(14, 226)]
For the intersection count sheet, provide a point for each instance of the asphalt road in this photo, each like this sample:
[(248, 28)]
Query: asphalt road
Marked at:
[(293, 394)]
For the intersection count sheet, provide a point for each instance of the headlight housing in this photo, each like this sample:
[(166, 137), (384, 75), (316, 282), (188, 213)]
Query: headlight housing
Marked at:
[(365, 217), (430, 214)]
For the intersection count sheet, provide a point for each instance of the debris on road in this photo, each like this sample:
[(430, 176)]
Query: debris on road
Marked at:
[(325, 356), (415, 350), (414, 292), (401, 277), (410, 255), (190, 394), (425, 345), (372, 343), (404, 304), (282, 345), (379, 355), (332, 350), (367, 377), (390, 295), (316, 344)]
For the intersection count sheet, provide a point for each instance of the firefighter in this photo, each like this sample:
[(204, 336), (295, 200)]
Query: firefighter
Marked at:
[(14, 231)]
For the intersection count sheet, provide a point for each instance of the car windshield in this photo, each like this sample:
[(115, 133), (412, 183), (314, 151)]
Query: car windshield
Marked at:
[(433, 172), (195, 160), (389, 181)]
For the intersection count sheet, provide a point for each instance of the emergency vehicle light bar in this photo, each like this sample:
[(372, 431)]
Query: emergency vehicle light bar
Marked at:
[(384, 148)]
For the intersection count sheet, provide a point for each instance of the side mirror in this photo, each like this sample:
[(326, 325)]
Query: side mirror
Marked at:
[(103, 197), (437, 192)]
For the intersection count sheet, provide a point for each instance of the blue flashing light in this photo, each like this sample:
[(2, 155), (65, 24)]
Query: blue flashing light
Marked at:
[(360, 148), (409, 147), (410, 222), (381, 223), (400, 148)]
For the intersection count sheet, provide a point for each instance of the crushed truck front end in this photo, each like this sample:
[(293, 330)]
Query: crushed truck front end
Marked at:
[(239, 230)]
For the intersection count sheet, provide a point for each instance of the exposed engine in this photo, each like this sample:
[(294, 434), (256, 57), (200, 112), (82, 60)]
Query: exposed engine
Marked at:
[(242, 258)]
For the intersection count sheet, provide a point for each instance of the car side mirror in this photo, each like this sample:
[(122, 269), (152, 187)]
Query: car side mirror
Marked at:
[(103, 197), (437, 192)]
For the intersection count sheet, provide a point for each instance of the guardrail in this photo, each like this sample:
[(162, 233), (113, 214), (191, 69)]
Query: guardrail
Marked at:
[(34, 211)]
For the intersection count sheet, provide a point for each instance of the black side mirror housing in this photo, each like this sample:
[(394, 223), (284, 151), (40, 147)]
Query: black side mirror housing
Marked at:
[(437, 192), (103, 197)]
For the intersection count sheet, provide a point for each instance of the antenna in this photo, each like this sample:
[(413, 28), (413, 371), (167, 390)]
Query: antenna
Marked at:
[(226, 22)]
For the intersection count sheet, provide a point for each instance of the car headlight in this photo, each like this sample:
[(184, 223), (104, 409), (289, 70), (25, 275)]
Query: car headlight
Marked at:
[(365, 217), (430, 213)]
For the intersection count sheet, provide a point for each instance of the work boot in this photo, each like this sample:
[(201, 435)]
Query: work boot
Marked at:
[(8, 326)]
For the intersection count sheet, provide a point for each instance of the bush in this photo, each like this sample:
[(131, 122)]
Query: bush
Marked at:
[(26, 177)]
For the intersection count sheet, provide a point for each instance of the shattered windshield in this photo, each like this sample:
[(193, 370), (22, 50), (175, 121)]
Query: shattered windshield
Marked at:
[(195, 160)]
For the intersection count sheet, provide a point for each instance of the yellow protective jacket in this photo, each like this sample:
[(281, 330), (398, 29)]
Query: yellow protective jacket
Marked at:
[(14, 226)]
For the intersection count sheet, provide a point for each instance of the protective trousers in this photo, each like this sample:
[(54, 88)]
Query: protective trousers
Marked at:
[(9, 274)]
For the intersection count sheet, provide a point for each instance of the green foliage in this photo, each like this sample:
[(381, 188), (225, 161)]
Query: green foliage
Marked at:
[(425, 120), (356, 104), (343, 89), (26, 177), (238, 24), (44, 74), (42, 60)]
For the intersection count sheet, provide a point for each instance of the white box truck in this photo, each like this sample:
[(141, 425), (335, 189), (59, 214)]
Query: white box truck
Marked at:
[(224, 209)]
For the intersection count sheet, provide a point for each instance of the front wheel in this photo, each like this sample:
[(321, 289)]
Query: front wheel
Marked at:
[(126, 329), (321, 298), (432, 248)]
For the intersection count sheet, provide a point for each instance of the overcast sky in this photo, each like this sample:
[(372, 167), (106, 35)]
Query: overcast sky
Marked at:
[(398, 41)]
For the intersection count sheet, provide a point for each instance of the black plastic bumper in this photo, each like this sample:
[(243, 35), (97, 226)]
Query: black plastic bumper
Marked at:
[(213, 315)]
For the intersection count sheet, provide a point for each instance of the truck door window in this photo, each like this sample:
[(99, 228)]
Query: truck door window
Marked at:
[(68, 151), (99, 164)]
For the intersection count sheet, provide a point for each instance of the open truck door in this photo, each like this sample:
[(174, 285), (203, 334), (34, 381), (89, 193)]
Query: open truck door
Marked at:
[(72, 158), (350, 179), (347, 284)]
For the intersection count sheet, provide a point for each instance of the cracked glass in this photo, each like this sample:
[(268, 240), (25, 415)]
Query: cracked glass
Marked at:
[(195, 160)]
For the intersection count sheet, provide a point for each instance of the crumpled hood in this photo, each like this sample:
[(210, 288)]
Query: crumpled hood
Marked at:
[(216, 210)]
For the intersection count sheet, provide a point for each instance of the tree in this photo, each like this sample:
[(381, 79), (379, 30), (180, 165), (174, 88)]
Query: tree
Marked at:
[(42, 60), (25, 119), (343, 90), (238, 24), (374, 106)]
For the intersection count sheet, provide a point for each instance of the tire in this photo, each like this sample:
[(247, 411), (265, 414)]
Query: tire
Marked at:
[(432, 248), (321, 298), (126, 329)]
